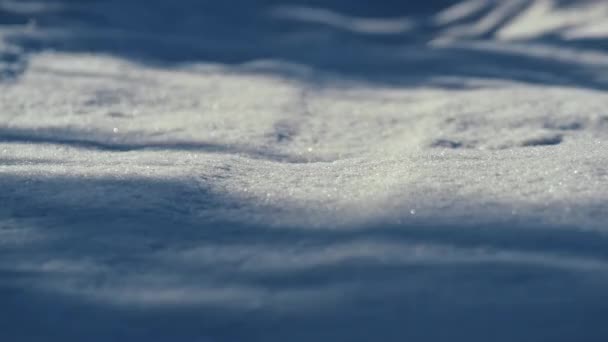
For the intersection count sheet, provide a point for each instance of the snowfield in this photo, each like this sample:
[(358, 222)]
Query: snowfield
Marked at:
[(303, 170)]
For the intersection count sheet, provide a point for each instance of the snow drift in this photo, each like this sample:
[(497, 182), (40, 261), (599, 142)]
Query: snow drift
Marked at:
[(303, 170)]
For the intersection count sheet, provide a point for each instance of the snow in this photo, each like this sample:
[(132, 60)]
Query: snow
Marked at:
[(303, 171)]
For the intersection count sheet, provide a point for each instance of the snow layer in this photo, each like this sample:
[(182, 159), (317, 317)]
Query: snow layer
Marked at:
[(297, 171)]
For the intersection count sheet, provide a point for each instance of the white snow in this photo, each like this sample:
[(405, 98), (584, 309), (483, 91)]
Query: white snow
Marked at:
[(299, 172)]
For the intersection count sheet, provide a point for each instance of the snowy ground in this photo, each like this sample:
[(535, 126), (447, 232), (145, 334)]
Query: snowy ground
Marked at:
[(303, 170)]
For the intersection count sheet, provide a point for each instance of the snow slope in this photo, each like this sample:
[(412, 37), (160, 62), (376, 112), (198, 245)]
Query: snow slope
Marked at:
[(303, 170)]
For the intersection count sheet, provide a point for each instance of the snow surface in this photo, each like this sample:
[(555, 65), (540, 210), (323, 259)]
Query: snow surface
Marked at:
[(303, 170)]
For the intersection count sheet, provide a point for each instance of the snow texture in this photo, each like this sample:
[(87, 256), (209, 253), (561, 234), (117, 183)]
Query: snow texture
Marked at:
[(303, 170)]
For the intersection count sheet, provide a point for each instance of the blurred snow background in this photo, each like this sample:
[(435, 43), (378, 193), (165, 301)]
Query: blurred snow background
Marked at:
[(303, 170)]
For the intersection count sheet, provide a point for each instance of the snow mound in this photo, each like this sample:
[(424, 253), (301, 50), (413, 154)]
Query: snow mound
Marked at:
[(303, 170)]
